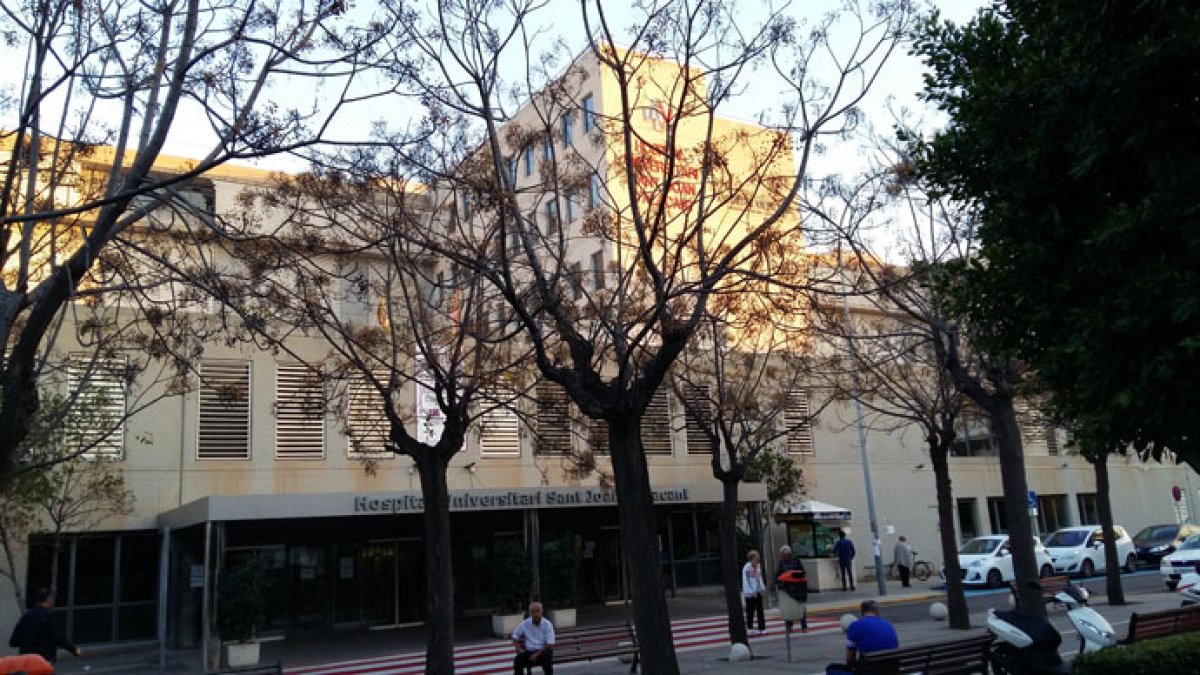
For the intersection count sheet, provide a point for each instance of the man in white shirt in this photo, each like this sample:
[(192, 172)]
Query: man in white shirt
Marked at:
[(534, 641)]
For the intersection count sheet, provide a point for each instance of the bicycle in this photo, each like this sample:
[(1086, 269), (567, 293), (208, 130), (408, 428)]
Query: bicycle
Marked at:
[(922, 570)]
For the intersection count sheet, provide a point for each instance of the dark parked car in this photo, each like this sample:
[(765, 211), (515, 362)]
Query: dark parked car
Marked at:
[(1156, 541)]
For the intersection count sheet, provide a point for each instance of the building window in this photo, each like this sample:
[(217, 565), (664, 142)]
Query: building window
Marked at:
[(512, 171), (799, 425), (366, 424), (973, 435), (1052, 439), (552, 220), (1089, 510), (224, 419), (529, 161), (594, 192), (1052, 513), (572, 206), (547, 149), (598, 275), (967, 527), (576, 281), (499, 427), (299, 413), (589, 113), (96, 421), (466, 206), (997, 516), (568, 132)]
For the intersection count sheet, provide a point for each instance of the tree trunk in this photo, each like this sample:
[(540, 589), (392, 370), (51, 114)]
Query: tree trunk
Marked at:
[(731, 572), (635, 506), (1112, 565), (1016, 490), (956, 599), (439, 571)]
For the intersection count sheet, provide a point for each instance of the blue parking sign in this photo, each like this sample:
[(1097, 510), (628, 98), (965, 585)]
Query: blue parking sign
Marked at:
[(1032, 499)]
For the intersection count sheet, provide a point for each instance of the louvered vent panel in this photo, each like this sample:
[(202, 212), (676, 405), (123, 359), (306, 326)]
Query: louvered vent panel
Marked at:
[(656, 424), (97, 418), (553, 420), (224, 424), (367, 425), (500, 430), (799, 437), (598, 439), (299, 413), (698, 405)]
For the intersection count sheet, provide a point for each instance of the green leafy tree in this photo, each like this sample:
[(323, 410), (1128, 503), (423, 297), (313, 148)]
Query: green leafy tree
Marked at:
[(1089, 273)]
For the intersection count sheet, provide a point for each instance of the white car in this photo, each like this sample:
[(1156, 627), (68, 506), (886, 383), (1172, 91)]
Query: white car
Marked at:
[(1181, 561), (1080, 550), (988, 560)]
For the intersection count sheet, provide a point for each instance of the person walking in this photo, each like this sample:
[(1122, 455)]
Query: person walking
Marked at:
[(752, 590), (843, 548), (902, 556), (791, 580), (38, 633), (534, 642), (870, 633)]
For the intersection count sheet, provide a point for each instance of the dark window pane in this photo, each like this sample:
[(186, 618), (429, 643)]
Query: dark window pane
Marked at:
[(37, 576), (93, 625), (139, 568), (137, 622), (94, 571)]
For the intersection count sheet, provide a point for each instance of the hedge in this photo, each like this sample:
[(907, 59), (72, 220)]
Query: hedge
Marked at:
[(1169, 655)]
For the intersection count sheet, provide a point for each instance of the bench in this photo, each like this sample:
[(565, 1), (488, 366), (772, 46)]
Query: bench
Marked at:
[(968, 655), (1051, 586), (1163, 623), (262, 669), (595, 642)]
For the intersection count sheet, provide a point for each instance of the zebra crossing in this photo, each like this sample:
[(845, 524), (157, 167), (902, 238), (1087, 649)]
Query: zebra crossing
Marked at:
[(496, 656)]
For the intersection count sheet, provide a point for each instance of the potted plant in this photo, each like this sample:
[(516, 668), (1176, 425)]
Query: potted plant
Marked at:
[(511, 578), (559, 578), (242, 609)]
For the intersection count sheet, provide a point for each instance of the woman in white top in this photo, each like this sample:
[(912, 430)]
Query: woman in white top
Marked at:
[(752, 590)]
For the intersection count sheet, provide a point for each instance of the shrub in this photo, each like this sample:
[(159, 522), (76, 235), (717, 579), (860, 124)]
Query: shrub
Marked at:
[(559, 575), (1175, 654), (512, 577), (243, 599)]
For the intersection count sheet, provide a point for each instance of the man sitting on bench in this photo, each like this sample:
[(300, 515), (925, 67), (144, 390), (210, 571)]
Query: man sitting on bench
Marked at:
[(534, 641), (871, 633)]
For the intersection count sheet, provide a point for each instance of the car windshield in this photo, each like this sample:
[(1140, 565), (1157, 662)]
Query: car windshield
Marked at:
[(979, 546), (1065, 538), (1157, 533), (1191, 543)]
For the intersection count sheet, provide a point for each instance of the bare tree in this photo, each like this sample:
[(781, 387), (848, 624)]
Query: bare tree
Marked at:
[(104, 87), (330, 260)]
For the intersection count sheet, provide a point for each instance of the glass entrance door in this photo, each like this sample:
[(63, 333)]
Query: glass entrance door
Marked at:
[(364, 586), (611, 565)]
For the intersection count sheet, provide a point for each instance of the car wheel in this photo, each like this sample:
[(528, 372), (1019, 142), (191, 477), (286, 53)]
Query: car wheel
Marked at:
[(1131, 563), (1046, 571), (1087, 569), (994, 578), (1171, 585)]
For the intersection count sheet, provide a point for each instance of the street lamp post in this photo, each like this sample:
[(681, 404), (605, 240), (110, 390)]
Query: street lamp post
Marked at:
[(876, 546)]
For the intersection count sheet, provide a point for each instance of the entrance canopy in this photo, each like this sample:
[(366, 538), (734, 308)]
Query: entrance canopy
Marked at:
[(814, 510)]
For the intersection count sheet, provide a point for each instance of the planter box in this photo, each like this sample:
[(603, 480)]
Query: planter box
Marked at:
[(503, 625), (562, 618), (241, 654)]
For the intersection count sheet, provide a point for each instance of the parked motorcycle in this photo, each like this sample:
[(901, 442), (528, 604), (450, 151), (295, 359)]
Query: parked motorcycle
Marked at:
[(1028, 644), (1189, 587)]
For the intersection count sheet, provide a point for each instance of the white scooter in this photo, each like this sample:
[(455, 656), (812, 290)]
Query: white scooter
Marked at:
[(1189, 588), (1027, 644)]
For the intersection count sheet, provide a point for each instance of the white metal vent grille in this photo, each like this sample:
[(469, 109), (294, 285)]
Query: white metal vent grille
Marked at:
[(367, 427), (299, 413), (224, 420), (698, 405), (799, 436), (553, 420), (500, 429), (97, 417), (656, 424)]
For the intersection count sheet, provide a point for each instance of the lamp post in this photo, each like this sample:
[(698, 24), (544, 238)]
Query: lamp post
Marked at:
[(876, 546)]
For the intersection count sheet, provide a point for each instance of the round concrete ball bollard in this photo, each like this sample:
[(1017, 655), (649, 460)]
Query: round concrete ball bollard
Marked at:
[(846, 620), (739, 652), (938, 611)]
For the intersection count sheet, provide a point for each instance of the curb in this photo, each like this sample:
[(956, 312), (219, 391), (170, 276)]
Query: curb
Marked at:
[(882, 601)]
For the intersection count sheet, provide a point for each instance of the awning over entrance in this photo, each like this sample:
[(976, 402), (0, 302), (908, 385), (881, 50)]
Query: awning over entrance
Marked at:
[(815, 510), (224, 508)]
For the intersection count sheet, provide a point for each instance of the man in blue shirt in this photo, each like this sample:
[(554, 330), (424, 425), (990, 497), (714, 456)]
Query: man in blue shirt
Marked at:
[(843, 548), (871, 633), (534, 642)]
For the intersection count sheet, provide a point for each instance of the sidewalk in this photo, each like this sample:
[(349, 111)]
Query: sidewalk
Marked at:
[(698, 620)]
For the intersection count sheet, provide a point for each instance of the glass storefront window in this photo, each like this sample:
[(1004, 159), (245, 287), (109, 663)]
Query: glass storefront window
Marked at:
[(811, 540)]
